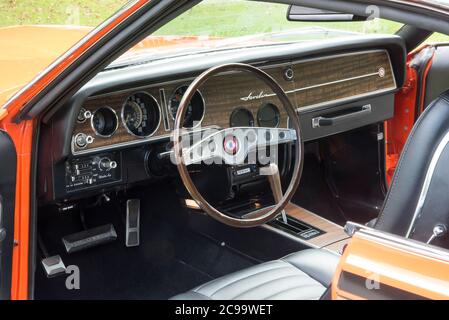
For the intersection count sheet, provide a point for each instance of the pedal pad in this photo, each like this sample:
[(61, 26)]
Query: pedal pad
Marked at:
[(132, 222), (89, 238), (53, 266)]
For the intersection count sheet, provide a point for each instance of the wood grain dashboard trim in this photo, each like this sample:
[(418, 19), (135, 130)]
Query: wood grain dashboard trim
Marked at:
[(317, 82)]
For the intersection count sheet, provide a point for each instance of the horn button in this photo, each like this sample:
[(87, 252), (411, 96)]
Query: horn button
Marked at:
[(231, 144)]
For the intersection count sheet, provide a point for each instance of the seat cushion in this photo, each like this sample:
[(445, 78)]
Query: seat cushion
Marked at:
[(304, 275)]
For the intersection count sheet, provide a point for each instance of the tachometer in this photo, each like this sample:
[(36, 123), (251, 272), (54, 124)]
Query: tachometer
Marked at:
[(141, 115), (195, 110), (241, 117), (268, 115)]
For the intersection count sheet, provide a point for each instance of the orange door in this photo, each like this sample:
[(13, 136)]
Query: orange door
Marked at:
[(377, 265), (8, 161)]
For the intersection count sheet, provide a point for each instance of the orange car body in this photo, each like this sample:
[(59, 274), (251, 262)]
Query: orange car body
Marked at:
[(26, 53)]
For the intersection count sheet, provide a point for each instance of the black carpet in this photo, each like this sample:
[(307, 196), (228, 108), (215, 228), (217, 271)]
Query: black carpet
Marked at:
[(169, 261), (314, 194)]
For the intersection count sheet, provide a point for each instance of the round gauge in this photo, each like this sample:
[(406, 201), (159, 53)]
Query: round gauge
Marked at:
[(104, 122), (268, 116), (141, 115), (132, 115), (241, 117), (195, 110)]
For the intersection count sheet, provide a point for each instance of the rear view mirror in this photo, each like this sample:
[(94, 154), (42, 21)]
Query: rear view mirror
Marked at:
[(300, 13)]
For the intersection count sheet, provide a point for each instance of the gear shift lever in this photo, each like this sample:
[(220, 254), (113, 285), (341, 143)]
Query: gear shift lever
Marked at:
[(272, 172)]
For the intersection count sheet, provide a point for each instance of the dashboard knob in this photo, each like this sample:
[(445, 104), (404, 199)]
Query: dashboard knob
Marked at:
[(81, 140), (106, 164)]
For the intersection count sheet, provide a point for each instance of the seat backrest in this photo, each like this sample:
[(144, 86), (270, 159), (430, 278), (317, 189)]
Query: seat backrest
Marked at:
[(418, 197)]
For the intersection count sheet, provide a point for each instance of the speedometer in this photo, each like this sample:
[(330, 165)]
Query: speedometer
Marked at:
[(132, 115), (195, 110), (141, 115)]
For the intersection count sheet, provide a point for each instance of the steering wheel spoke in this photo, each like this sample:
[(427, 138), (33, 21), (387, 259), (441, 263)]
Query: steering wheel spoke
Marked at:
[(233, 146)]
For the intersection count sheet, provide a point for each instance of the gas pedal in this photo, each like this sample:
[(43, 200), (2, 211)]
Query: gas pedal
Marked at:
[(132, 222)]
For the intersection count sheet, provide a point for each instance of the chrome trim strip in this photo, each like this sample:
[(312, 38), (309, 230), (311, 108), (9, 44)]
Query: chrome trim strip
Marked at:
[(319, 85), (405, 244), (368, 75), (131, 143), (119, 145), (341, 100), (427, 180), (164, 109)]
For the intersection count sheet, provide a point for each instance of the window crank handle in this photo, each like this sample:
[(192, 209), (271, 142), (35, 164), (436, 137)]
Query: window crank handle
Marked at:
[(438, 230)]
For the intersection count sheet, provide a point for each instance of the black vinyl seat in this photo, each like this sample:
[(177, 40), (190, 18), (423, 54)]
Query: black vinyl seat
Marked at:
[(416, 202)]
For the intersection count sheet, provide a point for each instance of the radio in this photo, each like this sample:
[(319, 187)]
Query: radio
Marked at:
[(90, 171)]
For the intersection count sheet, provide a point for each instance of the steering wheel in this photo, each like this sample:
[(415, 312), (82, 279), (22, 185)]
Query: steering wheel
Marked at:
[(233, 145)]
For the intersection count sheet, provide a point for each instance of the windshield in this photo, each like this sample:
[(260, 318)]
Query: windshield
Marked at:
[(225, 24)]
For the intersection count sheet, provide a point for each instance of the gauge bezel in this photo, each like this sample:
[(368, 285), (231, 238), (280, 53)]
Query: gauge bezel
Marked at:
[(202, 99), (238, 109), (122, 115), (93, 126), (277, 111)]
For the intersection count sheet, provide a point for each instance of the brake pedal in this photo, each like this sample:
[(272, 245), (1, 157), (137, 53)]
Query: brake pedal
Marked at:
[(89, 238), (53, 266), (132, 222)]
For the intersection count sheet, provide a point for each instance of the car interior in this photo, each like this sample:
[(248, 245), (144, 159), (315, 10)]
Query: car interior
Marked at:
[(111, 200)]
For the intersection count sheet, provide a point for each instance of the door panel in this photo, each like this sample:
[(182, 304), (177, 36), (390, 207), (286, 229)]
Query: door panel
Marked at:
[(8, 161), (377, 265)]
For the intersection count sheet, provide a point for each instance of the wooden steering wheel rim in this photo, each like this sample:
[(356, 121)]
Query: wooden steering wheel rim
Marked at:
[(262, 216)]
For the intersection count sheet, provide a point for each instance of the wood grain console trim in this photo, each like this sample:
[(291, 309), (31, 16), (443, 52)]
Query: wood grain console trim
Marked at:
[(333, 232)]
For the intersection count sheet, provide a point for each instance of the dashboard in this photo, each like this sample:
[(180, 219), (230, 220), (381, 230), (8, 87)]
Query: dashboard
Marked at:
[(120, 123), (147, 113)]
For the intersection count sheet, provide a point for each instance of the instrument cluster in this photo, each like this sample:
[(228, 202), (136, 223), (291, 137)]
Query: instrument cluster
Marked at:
[(140, 116)]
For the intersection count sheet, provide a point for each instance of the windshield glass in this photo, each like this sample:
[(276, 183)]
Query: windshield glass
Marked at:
[(225, 24)]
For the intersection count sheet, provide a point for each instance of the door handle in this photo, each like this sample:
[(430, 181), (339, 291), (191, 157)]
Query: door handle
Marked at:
[(332, 121)]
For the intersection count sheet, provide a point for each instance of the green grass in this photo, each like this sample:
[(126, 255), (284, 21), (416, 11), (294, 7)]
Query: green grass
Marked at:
[(223, 18), (78, 12)]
